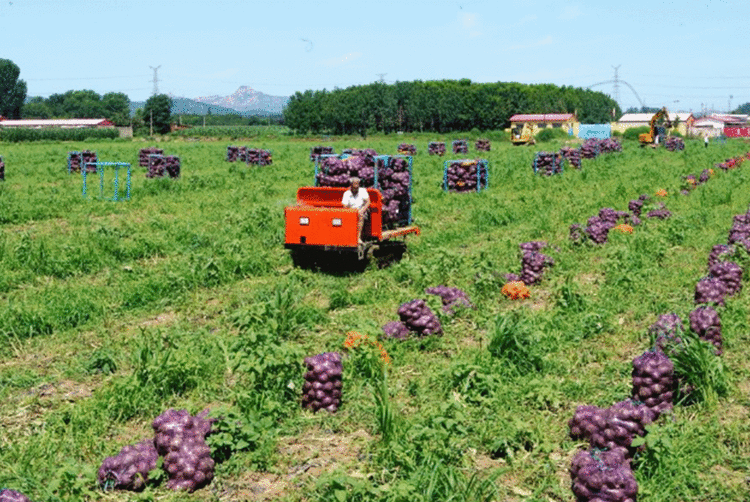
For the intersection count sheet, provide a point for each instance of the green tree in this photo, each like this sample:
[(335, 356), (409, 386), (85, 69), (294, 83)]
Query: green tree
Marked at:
[(116, 106), (36, 108), (157, 112), (12, 90)]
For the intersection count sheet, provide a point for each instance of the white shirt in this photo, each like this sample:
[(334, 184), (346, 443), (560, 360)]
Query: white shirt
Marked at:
[(355, 201)]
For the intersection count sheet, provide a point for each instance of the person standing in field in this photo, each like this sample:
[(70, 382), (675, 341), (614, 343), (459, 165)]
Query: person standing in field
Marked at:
[(357, 198)]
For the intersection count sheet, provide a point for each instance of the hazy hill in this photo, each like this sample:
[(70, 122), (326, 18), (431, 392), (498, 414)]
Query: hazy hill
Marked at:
[(248, 100)]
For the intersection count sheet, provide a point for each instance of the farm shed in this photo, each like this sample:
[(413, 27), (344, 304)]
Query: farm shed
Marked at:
[(566, 121), (628, 120), (713, 125), (62, 123)]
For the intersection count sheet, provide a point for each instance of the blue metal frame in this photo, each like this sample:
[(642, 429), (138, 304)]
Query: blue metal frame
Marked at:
[(562, 157), (100, 170)]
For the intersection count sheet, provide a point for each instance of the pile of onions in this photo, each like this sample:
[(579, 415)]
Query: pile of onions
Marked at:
[(258, 157), (396, 329), (180, 437), (717, 252), (407, 149), (482, 145), (143, 154), (172, 166), (710, 290), (8, 495), (417, 318), (317, 151), (705, 322), (661, 213), (460, 146), (666, 331), (128, 470), (77, 159), (611, 428), (436, 148), (572, 155), (653, 381), (674, 143), (602, 476), (451, 298), (156, 166), (548, 163), (590, 148), (465, 175), (729, 273), (322, 387)]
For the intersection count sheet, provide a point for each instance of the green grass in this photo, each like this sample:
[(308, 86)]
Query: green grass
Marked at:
[(185, 297)]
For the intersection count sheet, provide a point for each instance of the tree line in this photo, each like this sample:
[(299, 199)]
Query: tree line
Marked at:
[(438, 106)]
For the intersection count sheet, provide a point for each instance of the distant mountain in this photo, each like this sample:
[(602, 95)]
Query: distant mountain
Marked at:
[(185, 106), (246, 99)]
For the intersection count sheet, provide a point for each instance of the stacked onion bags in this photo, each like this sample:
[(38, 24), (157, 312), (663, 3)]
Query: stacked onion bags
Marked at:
[(143, 154), (8, 495), (436, 148), (390, 174), (416, 317), (465, 175), (180, 438)]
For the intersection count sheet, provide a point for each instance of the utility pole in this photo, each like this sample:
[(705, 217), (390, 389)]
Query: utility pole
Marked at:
[(156, 79), (381, 77), (616, 84)]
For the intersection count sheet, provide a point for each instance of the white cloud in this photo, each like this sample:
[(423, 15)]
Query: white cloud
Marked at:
[(342, 60)]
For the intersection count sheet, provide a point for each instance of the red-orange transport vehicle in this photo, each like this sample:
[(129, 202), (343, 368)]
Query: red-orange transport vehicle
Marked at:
[(320, 231)]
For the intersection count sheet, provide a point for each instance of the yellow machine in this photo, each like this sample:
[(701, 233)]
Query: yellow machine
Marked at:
[(524, 134), (647, 138)]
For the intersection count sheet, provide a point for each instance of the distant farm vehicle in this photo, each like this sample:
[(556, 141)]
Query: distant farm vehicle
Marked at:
[(524, 134), (649, 138)]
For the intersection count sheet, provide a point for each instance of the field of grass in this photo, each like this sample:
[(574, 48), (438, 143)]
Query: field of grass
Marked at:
[(184, 297)]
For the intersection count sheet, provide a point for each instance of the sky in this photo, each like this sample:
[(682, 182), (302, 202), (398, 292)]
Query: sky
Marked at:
[(691, 55)]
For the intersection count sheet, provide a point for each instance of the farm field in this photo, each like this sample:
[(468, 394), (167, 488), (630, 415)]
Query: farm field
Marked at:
[(184, 297)]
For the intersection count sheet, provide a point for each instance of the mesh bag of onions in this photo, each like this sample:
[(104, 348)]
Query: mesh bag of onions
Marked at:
[(482, 145), (548, 163), (666, 331), (436, 148), (180, 438), (674, 143), (74, 162), (156, 166), (233, 153), (729, 273), (258, 157), (322, 387), (419, 319), (407, 149), (460, 146), (172, 166), (706, 323), (2, 168), (611, 428), (128, 470), (572, 155), (653, 381), (8, 495), (602, 476), (451, 298), (465, 175), (143, 154), (317, 151), (710, 290)]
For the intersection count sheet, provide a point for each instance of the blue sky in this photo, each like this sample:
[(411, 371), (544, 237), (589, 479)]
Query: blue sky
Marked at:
[(682, 55)]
